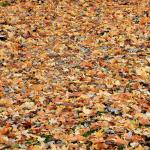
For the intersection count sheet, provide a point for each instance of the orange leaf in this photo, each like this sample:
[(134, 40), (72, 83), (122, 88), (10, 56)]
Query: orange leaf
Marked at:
[(86, 64), (118, 140), (101, 75), (144, 121), (99, 146), (145, 20), (5, 129), (137, 138), (78, 138)]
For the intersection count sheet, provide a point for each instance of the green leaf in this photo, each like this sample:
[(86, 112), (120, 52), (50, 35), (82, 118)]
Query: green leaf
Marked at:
[(29, 142)]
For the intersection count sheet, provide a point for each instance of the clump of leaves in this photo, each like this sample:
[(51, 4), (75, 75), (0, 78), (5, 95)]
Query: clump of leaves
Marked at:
[(5, 4)]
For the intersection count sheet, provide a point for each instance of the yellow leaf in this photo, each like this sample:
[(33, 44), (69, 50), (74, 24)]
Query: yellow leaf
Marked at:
[(100, 107), (86, 111), (99, 133), (131, 124), (6, 102), (143, 71), (36, 147), (139, 148)]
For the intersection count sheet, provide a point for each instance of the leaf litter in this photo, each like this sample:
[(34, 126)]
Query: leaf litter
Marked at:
[(74, 74)]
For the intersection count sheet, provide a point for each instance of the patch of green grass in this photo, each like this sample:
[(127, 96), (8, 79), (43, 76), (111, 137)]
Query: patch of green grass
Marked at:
[(33, 142), (120, 148), (99, 113), (29, 142), (5, 4), (48, 138), (88, 133), (16, 146)]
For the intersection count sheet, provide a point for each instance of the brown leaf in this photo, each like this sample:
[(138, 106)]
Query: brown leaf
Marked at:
[(86, 64)]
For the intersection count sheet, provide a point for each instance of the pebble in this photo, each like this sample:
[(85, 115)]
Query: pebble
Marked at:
[(110, 131), (113, 110)]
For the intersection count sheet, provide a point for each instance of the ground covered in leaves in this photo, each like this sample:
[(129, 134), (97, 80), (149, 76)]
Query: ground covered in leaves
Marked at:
[(74, 74)]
